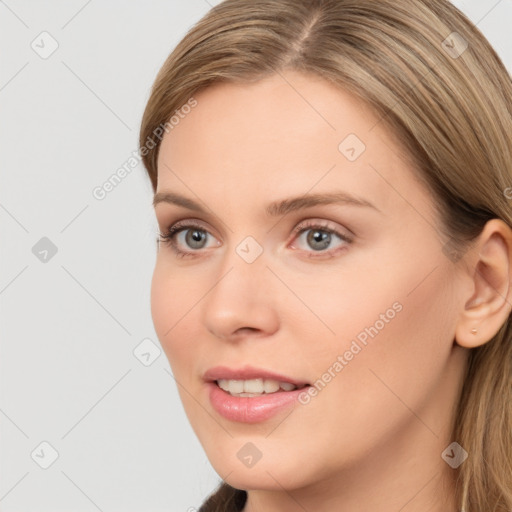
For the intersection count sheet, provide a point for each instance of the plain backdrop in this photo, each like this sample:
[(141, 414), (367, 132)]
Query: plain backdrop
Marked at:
[(90, 417)]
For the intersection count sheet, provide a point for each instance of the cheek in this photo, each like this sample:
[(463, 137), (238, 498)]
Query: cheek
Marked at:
[(172, 303), (392, 322), (344, 305), (162, 305), (176, 325), (383, 293), (394, 362)]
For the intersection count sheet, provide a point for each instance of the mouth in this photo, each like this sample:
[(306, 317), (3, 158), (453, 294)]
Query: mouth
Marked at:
[(251, 395)]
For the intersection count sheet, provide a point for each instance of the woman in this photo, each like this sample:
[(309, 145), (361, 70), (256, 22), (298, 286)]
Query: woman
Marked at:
[(333, 281)]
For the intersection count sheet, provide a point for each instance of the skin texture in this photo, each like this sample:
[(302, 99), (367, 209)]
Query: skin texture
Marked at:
[(373, 436)]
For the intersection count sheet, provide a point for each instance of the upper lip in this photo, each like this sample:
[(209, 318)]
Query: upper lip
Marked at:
[(247, 372)]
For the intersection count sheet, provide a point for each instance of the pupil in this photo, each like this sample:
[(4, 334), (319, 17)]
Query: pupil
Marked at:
[(194, 237), (317, 237)]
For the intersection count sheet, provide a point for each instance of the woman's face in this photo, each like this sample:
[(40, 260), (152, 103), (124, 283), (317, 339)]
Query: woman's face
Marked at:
[(350, 294)]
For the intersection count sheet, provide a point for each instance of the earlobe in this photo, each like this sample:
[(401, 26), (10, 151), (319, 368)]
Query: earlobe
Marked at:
[(489, 307)]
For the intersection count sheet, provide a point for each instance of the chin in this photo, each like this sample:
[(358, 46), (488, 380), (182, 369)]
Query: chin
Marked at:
[(268, 473)]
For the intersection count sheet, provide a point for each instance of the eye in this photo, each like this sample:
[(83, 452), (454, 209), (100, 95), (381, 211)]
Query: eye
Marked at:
[(320, 238), (195, 235)]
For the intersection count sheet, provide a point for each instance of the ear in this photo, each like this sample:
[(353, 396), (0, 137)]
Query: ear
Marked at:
[(490, 304)]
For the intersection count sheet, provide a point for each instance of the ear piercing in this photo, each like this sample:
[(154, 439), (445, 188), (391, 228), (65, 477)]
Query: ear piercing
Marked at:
[(473, 331)]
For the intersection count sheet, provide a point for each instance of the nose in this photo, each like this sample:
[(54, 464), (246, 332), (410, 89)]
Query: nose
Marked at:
[(242, 301)]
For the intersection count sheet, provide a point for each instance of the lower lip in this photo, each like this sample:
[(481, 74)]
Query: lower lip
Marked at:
[(245, 409)]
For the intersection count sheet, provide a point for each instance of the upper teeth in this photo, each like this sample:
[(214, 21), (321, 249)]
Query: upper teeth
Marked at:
[(253, 386)]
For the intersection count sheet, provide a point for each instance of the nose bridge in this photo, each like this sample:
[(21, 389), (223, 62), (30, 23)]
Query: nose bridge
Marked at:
[(240, 297), (242, 271)]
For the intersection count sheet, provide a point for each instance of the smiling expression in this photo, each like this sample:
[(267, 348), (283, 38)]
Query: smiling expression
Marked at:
[(303, 227)]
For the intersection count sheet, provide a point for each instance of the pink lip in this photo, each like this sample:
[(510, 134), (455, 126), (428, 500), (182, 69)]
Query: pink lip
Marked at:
[(249, 409), (245, 409)]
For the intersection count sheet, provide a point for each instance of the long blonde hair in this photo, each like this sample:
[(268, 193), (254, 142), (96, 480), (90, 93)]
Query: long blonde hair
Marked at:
[(433, 78)]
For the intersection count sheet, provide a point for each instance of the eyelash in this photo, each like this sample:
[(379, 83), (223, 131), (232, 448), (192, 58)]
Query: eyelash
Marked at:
[(168, 238)]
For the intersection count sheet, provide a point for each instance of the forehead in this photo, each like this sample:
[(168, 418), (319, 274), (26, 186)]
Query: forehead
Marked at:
[(288, 133)]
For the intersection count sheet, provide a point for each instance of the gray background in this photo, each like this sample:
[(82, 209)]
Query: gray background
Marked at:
[(70, 321)]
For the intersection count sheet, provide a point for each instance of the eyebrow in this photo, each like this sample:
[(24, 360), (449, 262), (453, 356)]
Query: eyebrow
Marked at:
[(276, 208)]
